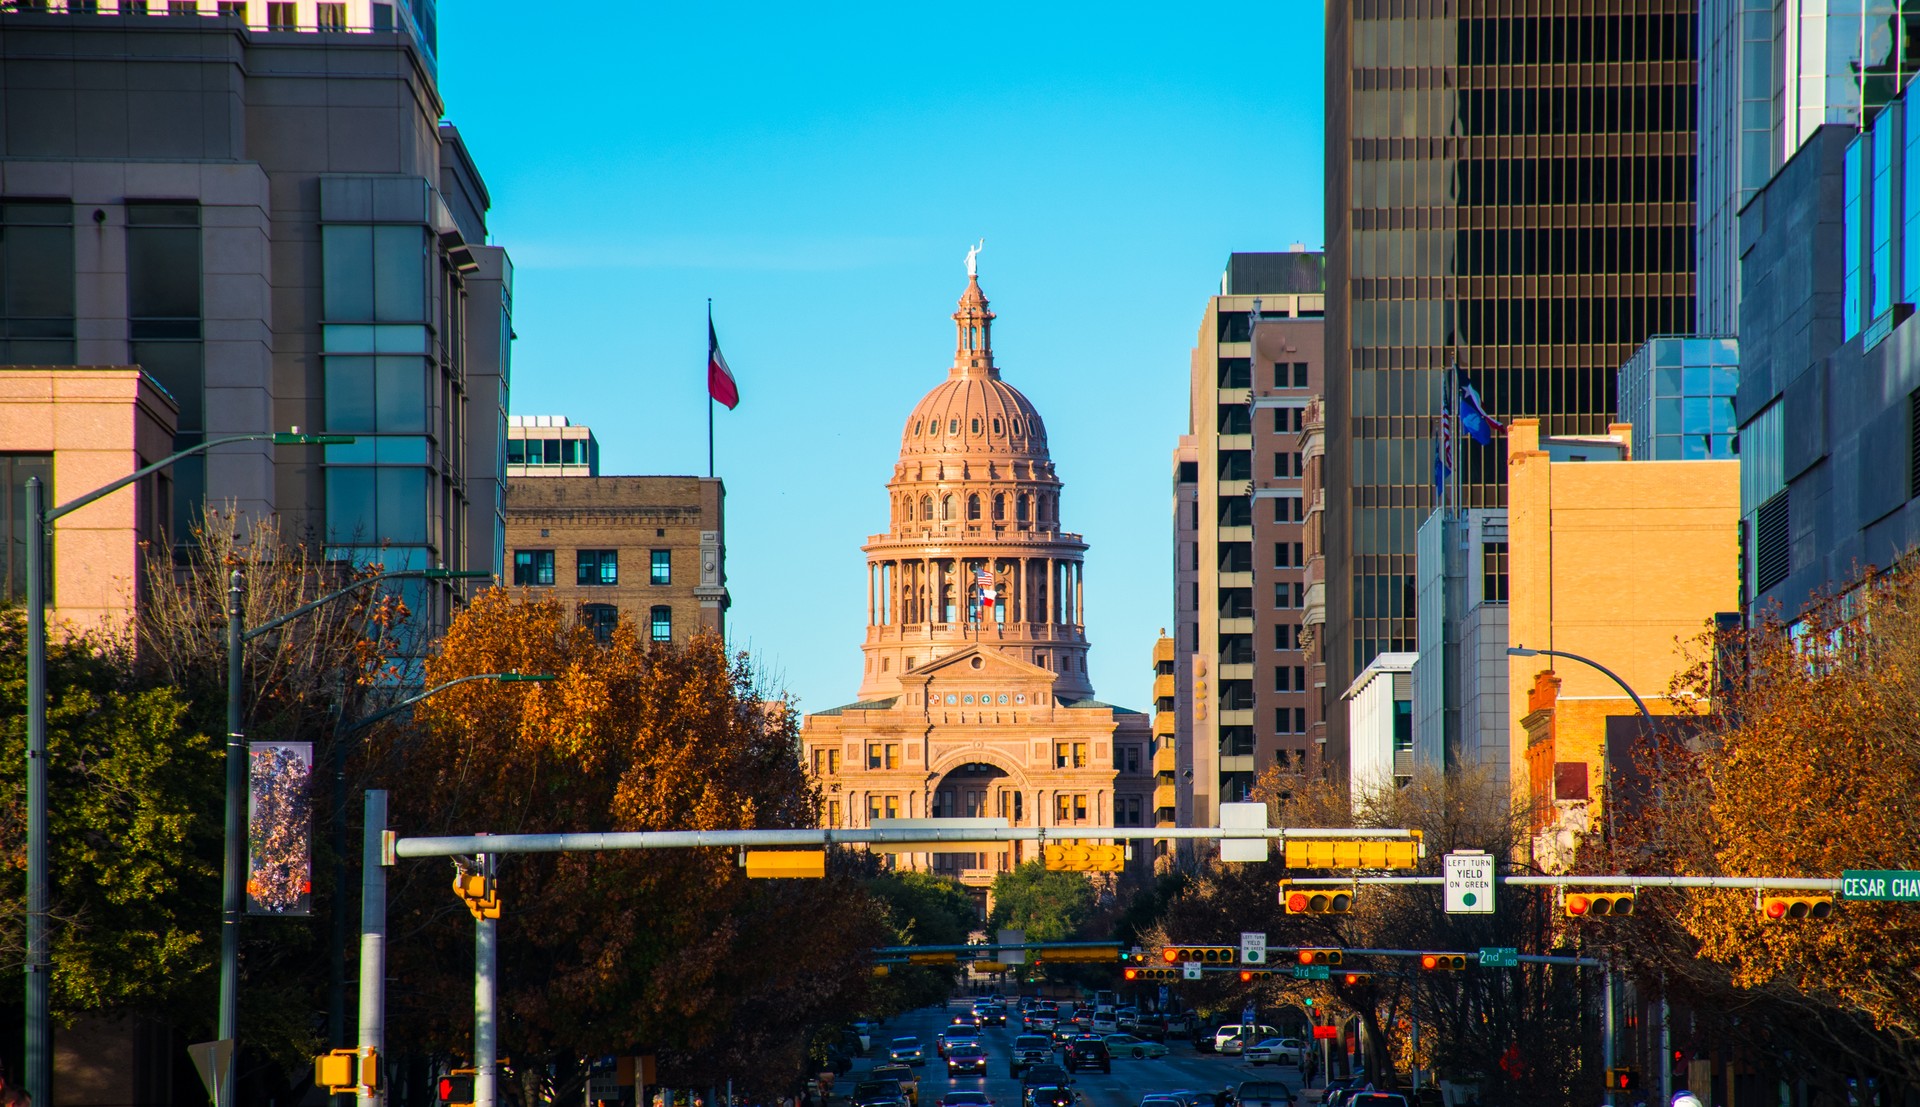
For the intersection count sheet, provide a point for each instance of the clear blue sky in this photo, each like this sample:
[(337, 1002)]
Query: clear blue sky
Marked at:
[(819, 171)]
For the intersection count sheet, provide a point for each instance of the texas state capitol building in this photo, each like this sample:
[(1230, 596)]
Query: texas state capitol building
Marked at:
[(966, 710)]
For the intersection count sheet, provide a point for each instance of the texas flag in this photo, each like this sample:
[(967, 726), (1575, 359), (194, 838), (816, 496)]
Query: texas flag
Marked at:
[(1480, 426), (720, 383), (984, 581)]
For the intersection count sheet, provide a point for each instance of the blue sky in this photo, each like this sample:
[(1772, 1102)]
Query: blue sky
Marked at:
[(819, 171)]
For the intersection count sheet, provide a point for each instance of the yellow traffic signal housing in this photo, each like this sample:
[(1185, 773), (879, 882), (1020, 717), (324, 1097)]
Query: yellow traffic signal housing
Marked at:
[(879, 970), (1353, 853), (1443, 962), (786, 864), (481, 893), (1315, 901), (1795, 908), (1323, 957), (1082, 857), (1247, 975), (337, 1071), (1580, 905), (931, 959), (1160, 975), (1206, 955)]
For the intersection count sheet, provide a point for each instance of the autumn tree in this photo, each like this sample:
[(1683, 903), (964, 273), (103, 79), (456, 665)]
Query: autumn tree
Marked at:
[(1799, 759), (672, 952)]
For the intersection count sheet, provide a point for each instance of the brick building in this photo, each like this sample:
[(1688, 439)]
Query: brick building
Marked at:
[(647, 549)]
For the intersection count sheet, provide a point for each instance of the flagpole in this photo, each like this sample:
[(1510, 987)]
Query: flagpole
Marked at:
[(709, 389), (1453, 482)]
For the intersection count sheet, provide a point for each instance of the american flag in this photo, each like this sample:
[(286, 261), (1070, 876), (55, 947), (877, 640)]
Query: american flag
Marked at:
[(983, 578)]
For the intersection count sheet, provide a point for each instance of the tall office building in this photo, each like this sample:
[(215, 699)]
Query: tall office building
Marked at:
[(1241, 562), (258, 204), (1511, 186)]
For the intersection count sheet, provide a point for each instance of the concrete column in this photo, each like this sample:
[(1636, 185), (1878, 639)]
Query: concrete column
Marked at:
[(1052, 599)]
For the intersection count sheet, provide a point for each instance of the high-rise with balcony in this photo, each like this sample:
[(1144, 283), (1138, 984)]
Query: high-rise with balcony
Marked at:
[(259, 205), (1510, 186), (1240, 552)]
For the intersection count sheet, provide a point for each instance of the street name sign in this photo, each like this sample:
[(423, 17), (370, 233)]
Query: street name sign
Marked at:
[(1469, 882), (1500, 957), (1312, 972), (1253, 948), (1885, 885)]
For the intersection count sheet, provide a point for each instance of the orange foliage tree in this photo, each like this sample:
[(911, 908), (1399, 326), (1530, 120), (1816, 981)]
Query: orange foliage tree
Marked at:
[(1805, 764), (671, 952)]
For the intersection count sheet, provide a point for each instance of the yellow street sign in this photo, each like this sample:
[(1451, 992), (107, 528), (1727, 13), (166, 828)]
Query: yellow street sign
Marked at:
[(1351, 853), (810, 864), (1081, 857)]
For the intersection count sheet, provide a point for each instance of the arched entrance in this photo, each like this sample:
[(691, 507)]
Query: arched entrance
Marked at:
[(977, 790)]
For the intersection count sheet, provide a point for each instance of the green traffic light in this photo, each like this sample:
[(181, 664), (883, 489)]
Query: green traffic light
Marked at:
[(1309, 1001)]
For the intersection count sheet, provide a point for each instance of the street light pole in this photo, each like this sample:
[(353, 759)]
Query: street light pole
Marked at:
[(234, 875), (1606, 798), (40, 520)]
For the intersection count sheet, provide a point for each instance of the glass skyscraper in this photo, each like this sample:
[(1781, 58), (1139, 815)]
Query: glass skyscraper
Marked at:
[(1677, 391), (1514, 191)]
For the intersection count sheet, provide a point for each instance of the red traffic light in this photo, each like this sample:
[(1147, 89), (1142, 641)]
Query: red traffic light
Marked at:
[(1297, 903), (1353, 978), (1578, 905), (1776, 908), (1245, 977), (1132, 974)]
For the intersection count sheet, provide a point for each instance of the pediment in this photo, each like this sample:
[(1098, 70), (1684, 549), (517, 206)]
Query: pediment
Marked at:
[(960, 667)]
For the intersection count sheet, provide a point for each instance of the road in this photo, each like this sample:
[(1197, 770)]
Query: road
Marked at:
[(1181, 1069)]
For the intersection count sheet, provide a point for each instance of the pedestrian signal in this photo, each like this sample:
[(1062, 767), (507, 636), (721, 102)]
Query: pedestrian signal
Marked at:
[(455, 1089), (1623, 1080), (1206, 955), (481, 893), (1795, 908), (1304, 901), (1443, 962), (1580, 905), (1322, 957)]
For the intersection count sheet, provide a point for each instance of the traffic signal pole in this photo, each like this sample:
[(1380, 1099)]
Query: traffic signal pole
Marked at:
[(373, 943), (485, 1026)]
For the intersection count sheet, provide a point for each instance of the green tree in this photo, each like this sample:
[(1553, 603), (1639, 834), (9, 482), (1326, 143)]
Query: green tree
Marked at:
[(134, 832), (1049, 906), (921, 909)]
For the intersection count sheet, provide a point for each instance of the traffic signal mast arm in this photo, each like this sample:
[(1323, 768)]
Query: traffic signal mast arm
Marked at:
[(1755, 883)]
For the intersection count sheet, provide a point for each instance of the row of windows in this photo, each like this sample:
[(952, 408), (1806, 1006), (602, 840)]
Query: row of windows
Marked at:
[(932, 426), (1289, 594), (1023, 507), (1290, 720), (603, 617), (547, 451), (1523, 40), (1286, 636), (1529, 321), (1523, 251), (1504, 182), (534, 568), (1502, 112)]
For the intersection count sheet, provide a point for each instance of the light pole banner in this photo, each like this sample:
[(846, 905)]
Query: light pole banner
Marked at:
[(280, 828)]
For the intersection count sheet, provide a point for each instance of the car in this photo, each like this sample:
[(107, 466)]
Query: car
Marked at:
[(1087, 1052), (1237, 1030), (993, 1014), (1049, 1095), (965, 1099), (1161, 1099), (1104, 1023), (907, 1051), (969, 1018), (1277, 1051), (1263, 1093), (1029, 1049), (1063, 1032), (1049, 1074), (954, 1035), (878, 1093), (909, 1082), (1043, 1016), (1127, 1018), (968, 1057), (1126, 1045)]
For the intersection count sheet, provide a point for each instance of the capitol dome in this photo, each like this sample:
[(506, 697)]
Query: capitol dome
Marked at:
[(973, 412)]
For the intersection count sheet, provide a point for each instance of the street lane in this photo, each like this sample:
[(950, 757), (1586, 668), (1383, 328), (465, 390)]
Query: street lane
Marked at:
[(1183, 1069)]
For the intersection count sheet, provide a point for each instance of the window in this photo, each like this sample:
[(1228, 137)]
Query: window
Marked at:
[(1020, 509), (1070, 808), (1126, 758), (597, 567), (973, 508), (883, 807), (999, 507), (883, 755), (333, 17), (1287, 555), (282, 17), (1288, 509), (1126, 811), (661, 620), (1069, 755), (532, 568), (946, 509), (826, 762), (1299, 376), (661, 567), (833, 813), (1493, 572), (1287, 594), (602, 617), (926, 508), (36, 284), (15, 531)]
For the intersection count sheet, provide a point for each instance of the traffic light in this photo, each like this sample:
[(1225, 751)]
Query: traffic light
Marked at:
[(1316, 901), (1795, 908), (1106, 955), (1623, 1080), (1350, 853), (1206, 955), (1443, 962), (454, 1089), (1323, 957), (344, 1071), (1135, 956), (1580, 905), (481, 893), (1130, 975), (1079, 857), (1160, 975), (1247, 975)]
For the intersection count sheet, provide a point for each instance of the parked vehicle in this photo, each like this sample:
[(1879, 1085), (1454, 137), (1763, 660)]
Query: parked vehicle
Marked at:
[(1244, 1033), (1277, 1051), (1126, 1045), (1126, 1018)]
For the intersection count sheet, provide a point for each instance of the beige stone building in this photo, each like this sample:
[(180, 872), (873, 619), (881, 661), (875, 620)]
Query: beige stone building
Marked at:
[(646, 549), (81, 427), (969, 707)]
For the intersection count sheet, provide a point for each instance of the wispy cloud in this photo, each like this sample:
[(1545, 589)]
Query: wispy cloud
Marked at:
[(783, 253)]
